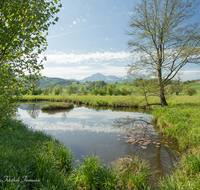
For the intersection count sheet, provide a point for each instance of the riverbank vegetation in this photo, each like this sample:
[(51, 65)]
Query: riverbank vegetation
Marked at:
[(57, 106)]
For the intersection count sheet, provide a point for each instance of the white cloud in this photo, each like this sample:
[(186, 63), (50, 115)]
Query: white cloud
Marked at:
[(63, 58), (81, 72), (74, 22)]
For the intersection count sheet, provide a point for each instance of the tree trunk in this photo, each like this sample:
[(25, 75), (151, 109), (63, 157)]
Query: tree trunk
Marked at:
[(161, 88), (163, 99)]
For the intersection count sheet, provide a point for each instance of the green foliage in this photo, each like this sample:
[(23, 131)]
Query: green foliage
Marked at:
[(190, 91), (24, 152), (102, 92), (90, 174), (116, 91), (57, 106), (57, 90), (70, 90), (186, 176), (94, 92), (23, 31), (46, 91), (37, 91), (82, 88), (133, 173), (109, 91), (85, 92), (125, 91)]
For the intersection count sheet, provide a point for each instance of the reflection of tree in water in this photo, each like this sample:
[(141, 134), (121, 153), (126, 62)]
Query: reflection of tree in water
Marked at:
[(33, 110), (142, 140)]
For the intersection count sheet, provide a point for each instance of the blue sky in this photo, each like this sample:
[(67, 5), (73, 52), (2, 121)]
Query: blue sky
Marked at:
[(90, 38)]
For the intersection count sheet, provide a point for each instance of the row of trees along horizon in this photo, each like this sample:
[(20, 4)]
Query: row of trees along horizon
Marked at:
[(145, 87)]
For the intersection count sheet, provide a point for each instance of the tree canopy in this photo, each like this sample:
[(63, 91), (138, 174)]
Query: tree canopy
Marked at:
[(23, 31), (163, 39)]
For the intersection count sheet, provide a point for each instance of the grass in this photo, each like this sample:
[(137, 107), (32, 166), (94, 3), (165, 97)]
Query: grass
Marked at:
[(133, 173), (24, 152), (57, 106)]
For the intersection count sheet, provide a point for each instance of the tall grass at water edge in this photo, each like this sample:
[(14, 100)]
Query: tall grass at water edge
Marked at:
[(180, 121)]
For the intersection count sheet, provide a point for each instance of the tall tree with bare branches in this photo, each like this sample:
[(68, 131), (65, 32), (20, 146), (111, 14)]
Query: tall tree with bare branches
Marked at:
[(164, 39)]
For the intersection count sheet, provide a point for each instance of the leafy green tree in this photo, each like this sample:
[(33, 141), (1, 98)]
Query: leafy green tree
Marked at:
[(85, 92), (23, 31), (102, 92), (94, 92), (164, 38), (116, 91), (70, 90), (46, 91), (125, 91), (57, 90), (109, 91), (82, 88)]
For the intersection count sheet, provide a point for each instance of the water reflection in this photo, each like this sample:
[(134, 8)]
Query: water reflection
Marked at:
[(33, 110), (141, 139), (87, 130)]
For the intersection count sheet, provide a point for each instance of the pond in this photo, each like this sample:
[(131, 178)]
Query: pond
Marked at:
[(108, 133)]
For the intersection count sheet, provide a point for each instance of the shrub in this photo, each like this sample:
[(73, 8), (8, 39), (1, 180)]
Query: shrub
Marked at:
[(85, 92), (94, 92), (190, 91), (102, 92)]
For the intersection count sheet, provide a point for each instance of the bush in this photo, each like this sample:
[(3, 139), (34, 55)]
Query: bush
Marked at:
[(190, 91), (85, 92), (102, 92), (94, 92)]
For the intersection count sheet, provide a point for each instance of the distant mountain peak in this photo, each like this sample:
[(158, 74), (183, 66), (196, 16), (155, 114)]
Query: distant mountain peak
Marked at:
[(99, 77)]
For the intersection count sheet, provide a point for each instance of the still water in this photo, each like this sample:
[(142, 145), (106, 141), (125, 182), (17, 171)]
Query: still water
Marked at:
[(108, 133)]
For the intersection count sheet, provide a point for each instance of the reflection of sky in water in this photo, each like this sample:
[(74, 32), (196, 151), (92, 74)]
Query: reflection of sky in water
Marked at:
[(88, 131), (82, 119)]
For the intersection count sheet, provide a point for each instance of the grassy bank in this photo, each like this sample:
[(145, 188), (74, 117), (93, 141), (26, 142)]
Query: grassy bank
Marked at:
[(33, 160), (180, 121), (57, 106)]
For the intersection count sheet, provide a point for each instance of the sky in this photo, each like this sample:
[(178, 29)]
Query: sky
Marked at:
[(90, 38)]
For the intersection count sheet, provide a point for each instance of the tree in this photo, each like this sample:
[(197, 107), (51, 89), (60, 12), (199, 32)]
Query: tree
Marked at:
[(85, 92), (94, 92), (70, 90), (23, 31), (57, 90), (163, 39), (109, 91)]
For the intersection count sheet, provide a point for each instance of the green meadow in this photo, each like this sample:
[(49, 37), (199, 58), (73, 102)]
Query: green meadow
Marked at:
[(38, 156)]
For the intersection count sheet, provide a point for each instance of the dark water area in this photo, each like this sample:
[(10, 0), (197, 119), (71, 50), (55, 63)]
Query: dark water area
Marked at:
[(108, 133)]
